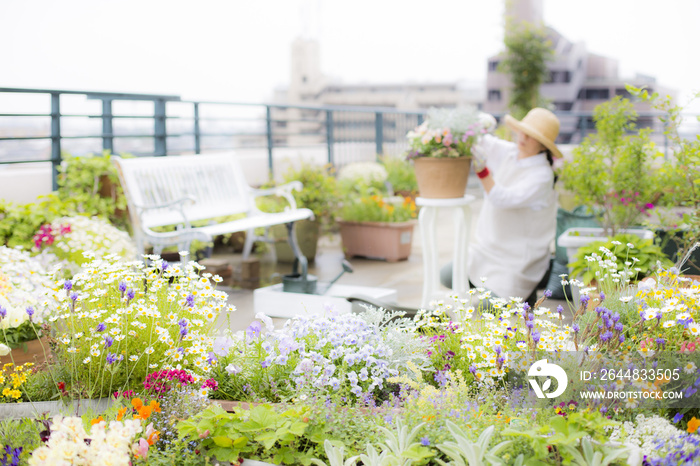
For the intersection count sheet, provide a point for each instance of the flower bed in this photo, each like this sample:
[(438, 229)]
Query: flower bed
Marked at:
[(451, 386)]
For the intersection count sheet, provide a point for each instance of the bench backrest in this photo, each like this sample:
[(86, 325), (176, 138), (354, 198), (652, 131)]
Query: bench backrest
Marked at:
[(216, 183)]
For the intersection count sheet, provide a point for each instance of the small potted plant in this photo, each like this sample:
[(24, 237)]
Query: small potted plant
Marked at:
[(612, 172), (377, 227), (320, 194), (400, 175), (441, 150), (25, 295)]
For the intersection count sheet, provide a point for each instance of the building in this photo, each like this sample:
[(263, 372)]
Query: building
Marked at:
[(578, 80), (308, 86)]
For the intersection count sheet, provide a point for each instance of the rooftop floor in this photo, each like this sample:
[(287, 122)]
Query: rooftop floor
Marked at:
[(406, 277)]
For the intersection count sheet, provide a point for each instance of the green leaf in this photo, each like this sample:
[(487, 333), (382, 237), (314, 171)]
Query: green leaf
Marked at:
[(222, 441)]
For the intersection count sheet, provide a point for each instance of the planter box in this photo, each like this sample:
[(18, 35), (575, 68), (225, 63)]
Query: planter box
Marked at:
[(31, 351), (274, 302), (377, 240), (573, 238), (52, 408), (572, 243)]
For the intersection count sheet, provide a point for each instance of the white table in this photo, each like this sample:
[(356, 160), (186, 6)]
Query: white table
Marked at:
[(462, 225)]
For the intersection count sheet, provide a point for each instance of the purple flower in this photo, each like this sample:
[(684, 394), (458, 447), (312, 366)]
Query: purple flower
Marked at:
[(190, 300), (536, 336), (575, 328), (560, 309), (101, 327), (605, 336), (603, 409), (183, 331), (425, 441), (472, 369), (690, 391), (74, 297), (677, 418), (585, 299), (619, 326), (130, 294), (3, 312), (111, 358), (67, 285), (602, 296), (526, 307), (30, 312), (661, 343), (547, 293), (621, 338), (122, 287), (164, 266), (183, 323), (529, 324), (108, 341), (253, 330), (441, 378)]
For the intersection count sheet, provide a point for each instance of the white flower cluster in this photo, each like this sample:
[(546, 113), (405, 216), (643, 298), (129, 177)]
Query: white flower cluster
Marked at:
[(367, 172), (23, 283), (645, 432), (491, 341), (92, 234), (69, 443), (459, 120), (155, 317)]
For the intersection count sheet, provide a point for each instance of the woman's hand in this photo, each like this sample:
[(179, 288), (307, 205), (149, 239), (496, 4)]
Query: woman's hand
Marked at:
[(478, 155)]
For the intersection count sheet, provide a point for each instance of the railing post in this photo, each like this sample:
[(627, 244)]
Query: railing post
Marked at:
[(270, 142), (159, 132), (107, 126), (329, 135), (379, 132), (197, 131), (420, 119), (583, 123), (55, 138)]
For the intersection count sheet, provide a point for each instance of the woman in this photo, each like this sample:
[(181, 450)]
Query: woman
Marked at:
[(517, 223)]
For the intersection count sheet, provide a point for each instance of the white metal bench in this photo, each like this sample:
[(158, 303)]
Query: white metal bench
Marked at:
[(180, 189)]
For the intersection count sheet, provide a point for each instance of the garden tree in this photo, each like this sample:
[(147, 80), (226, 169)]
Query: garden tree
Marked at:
[(525, 60)]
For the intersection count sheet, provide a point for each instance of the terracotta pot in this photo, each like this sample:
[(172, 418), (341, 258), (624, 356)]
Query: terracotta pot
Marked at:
[(377, 240), (442, 178), (31, 351)]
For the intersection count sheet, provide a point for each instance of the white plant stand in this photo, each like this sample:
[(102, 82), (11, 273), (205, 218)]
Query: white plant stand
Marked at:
[(462, 224)]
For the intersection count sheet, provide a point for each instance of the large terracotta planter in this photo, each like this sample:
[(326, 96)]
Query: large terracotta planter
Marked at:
[(377, 240), (31, 351), (442, 178)]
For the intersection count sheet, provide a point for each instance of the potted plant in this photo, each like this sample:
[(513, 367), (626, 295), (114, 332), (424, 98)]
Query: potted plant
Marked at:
[(377, 227), (612, 172), (25, 294), (441, 150), (400, 175), (680, 218), (320, 194)]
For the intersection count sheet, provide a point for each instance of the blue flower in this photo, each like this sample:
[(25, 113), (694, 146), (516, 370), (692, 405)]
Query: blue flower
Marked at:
[(677, 418), (425, 441), (130, 294), (30, 312), (67, 285), (547, 293), (190, 300), (101, 327)]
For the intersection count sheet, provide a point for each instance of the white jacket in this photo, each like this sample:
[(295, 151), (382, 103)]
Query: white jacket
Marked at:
[(517, 223)]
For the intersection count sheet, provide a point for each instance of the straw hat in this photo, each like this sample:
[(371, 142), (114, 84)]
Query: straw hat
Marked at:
[(541, 124)]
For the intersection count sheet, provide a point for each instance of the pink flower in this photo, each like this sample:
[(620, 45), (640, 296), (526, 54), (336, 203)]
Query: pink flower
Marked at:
[(141, 448)]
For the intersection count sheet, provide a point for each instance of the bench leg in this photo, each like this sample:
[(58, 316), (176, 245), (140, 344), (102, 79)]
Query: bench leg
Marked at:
[(249, 241)]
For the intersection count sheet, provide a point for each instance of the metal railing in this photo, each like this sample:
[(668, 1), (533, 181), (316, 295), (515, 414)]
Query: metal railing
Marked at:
[(179, 126)]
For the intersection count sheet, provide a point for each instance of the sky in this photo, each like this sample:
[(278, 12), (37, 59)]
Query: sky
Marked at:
[(236, 50)]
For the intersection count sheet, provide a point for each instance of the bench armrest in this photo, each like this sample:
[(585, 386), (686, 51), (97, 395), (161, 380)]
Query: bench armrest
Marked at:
[(284, 190), (177, 205)]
